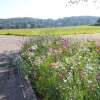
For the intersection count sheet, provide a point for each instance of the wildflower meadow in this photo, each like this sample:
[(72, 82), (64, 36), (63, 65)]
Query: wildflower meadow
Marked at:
[(60, 69)]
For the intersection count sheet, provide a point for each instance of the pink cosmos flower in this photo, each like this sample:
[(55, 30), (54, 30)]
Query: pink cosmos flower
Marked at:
[(32, 49), (98, 76), (65, 42), (98, 51)]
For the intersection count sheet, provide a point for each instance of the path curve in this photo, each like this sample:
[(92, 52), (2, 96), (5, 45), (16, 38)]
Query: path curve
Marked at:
[(10, 83), (14, 43)]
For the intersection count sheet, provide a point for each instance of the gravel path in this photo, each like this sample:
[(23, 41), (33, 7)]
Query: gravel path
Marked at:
[(11, 43), (9, 80), (9, 83)]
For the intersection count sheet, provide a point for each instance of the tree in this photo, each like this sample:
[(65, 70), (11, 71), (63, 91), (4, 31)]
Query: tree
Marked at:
[(98, 22), (75, 2)]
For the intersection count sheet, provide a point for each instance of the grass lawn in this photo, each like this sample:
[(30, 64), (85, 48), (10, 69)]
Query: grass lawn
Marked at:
[(52, 31)]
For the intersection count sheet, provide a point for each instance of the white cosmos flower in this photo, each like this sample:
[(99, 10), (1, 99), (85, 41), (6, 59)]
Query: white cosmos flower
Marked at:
[(34, 47), (89, 67), (89, 81), (65, 80)]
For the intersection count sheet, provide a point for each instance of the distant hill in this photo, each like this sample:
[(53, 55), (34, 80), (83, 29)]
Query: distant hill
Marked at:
[(28, 22)]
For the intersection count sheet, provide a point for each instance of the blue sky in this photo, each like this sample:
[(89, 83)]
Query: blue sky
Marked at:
[(46, 9)]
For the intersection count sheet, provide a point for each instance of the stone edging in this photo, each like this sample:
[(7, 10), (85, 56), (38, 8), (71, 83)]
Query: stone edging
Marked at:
[(25, 86)]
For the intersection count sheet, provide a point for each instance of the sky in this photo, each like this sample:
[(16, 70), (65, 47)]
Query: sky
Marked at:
[(45, 9)]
